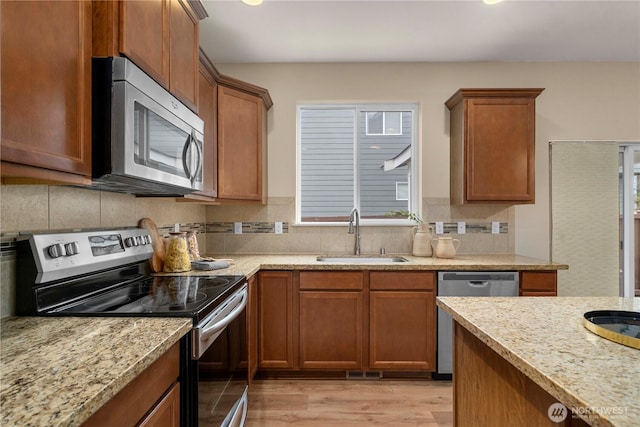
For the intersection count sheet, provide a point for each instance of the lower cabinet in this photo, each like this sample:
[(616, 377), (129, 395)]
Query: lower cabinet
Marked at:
[(347, 321), (538, 283), (275, 319), (402, 329), (331, 321), (151, 399)]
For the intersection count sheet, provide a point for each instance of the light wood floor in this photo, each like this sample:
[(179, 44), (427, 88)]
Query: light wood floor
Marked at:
[(331, 402)]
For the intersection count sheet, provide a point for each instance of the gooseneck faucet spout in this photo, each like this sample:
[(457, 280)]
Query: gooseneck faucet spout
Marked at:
[(355, 215)]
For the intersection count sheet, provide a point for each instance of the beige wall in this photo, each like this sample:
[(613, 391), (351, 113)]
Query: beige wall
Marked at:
[(581, 101)]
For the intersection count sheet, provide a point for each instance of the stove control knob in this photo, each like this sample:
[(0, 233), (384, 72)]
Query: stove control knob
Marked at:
[(130, 241), (139, 240), (72, 248), (147, 239), (56, 251)]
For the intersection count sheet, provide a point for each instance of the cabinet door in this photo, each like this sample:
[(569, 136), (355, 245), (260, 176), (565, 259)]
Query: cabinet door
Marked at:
[(183, 62), (207, 110), (402, 331), (144, 36), (252, 328), (167, 412), (500, 150), (46, 90), (275, 317), (331, 330), (240, 145)]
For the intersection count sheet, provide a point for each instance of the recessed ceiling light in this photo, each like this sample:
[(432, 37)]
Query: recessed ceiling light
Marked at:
[(252, 2), (491, 1)]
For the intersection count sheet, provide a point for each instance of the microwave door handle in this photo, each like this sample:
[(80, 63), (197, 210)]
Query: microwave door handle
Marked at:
[(200, 157), (185, 165)]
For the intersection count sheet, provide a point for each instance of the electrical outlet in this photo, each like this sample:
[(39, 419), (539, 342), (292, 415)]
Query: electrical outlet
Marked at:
[(495, 227), (237, 228), (462, 227), (439, 227), (176, 227), (278, 227)]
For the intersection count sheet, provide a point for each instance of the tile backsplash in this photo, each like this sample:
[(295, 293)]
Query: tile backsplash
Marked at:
[(258, 230), (41, 208)]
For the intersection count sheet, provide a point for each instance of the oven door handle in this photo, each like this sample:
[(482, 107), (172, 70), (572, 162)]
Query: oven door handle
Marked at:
[(206, 333), (209, 330)]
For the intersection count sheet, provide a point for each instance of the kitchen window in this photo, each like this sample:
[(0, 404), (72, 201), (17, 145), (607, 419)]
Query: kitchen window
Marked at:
[(360, 156)]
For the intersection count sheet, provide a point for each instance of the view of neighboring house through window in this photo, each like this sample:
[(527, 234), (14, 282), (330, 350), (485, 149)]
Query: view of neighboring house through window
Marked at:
[(356, 156)]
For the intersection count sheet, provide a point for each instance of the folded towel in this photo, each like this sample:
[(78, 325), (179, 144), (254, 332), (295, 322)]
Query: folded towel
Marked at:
[(209, 265)]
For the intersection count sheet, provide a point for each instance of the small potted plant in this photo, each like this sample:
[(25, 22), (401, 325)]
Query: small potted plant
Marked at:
[(422, 234)]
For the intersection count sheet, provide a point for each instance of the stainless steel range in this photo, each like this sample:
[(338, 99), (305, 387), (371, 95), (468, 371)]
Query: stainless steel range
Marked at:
[(106, 273)]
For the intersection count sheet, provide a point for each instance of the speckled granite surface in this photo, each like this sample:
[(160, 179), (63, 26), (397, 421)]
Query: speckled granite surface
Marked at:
[(250, 264), (57, 371), (545, 339)]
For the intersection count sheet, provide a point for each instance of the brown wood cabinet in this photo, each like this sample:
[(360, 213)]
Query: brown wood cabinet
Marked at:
[(276, 320), (538, 283), (492, 146), (46, 91), (252, 328), (331, 321), (235, 138), (208, 112), (242, 141), (151, 399), (488, 390), (402, 329), (160, 37)]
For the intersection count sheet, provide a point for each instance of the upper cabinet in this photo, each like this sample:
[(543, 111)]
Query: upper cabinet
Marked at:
[(160, 36), (492, 146), (46, 91), (242, 141), (208, 112)]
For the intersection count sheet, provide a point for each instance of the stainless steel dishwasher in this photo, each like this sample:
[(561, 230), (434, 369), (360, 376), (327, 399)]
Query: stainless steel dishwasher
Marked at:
[(467, 283)]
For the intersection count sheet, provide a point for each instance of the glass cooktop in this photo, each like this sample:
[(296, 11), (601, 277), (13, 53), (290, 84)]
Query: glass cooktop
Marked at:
[(190, 296)]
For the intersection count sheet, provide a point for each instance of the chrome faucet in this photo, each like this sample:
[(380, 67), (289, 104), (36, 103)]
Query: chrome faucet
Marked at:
[(354, 214)]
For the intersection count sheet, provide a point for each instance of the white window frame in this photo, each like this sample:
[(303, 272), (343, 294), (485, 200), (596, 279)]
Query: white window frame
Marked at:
[(414, 202), (384, 123), (398, 184)]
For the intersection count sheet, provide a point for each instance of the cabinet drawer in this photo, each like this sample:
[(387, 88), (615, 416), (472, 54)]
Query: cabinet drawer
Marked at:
[(402, 280), (331, 280), (538, 281)]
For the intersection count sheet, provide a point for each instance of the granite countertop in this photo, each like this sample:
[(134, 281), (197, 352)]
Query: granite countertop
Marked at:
[(545, 339), (57, 371), (248, 265)]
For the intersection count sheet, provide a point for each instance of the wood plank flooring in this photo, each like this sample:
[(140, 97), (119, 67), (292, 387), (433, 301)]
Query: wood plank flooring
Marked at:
[(315, 402)]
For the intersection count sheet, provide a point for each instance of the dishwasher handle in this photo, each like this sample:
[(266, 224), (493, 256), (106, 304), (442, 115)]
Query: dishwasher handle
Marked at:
[(478, 283)]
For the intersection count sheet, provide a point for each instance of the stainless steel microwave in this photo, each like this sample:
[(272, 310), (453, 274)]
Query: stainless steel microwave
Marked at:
[(144, 141)]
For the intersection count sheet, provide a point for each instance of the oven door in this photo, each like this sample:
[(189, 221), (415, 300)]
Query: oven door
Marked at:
[(222, 365)]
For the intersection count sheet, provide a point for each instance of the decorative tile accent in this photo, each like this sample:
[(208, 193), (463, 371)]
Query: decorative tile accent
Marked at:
[(247, 227), (472, 228)]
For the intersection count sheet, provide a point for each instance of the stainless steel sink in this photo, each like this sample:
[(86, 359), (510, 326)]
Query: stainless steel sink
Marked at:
[(361, 259)]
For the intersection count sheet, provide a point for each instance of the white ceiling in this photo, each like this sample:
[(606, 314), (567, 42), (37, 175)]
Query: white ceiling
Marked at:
[(421, 31)]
